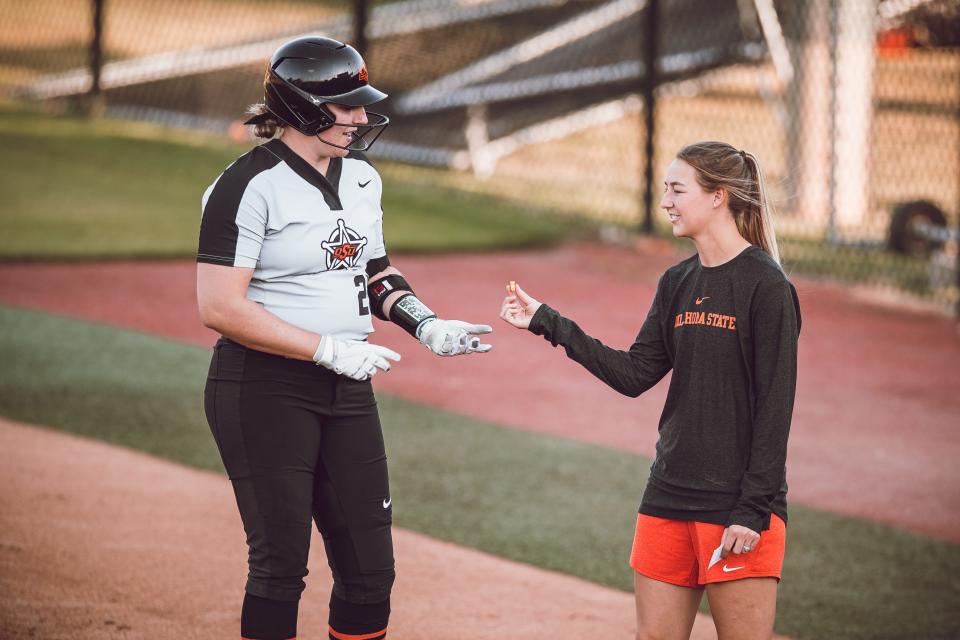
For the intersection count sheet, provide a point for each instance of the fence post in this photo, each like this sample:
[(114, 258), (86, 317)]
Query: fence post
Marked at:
[(360, 27), (93, 105), (852, 37), (650, 52), (807, 26)]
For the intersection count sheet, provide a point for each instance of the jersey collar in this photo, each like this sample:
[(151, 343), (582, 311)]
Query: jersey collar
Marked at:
[(328, 185)]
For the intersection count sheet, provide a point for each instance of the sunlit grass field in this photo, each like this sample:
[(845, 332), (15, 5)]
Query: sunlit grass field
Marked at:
[(74, 188)]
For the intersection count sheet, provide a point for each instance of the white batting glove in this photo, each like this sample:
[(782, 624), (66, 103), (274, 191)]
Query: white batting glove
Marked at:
[(453, 337), (353, 358)]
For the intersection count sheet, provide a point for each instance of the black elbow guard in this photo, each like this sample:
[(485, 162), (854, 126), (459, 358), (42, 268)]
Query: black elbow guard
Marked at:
[(377, 265), (382, 288)]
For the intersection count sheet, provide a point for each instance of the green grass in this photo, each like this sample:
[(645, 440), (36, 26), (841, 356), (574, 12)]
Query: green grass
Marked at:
[(75, 188), (814, 257), (548, 502)]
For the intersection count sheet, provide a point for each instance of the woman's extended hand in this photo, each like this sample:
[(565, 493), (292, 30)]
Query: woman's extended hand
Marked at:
[(518, 308)]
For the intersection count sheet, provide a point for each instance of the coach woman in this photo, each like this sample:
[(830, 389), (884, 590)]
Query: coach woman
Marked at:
[(726, 322)]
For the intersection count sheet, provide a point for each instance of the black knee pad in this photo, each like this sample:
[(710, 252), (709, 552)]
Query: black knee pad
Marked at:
[(379, 588), (263, 619), (359, 619), (276, 577), (368, 587)]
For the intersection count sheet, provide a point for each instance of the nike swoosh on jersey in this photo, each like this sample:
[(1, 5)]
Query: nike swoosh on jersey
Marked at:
[(363, 184), (727, 569), (700, 300), (389, 501)]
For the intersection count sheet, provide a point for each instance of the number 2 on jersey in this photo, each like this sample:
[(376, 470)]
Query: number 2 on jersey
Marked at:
[(361, 282)]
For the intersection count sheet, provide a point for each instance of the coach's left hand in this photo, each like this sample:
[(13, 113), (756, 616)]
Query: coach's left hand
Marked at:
[(453, 337), (738, 539)]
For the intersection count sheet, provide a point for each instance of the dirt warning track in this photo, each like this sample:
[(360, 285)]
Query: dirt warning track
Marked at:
[(99, 542)]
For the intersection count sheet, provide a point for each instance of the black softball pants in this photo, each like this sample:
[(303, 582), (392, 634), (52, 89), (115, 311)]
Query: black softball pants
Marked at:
[(301, 443)]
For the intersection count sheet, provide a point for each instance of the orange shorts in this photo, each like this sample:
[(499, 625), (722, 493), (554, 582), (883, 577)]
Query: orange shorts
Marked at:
[(678, 552)]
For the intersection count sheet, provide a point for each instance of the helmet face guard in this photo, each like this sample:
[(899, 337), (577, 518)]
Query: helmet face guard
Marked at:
[(308, 73)]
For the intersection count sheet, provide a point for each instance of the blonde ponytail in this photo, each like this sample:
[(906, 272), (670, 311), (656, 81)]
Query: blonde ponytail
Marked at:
[(718, 165), (765, 235)]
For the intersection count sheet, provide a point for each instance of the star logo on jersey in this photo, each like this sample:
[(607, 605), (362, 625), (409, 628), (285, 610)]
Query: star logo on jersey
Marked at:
[(343, 247)]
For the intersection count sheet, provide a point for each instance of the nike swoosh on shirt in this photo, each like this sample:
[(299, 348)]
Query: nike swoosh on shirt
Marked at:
[(363, 184), (727, 569), (700, 300), (387, 502)]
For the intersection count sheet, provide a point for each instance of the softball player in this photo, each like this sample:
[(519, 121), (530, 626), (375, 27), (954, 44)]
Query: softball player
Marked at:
[(726, 322), (292, 267)]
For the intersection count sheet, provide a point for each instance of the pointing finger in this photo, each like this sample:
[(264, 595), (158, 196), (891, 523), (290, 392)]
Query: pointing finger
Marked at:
[(479, 328), (471, 328)]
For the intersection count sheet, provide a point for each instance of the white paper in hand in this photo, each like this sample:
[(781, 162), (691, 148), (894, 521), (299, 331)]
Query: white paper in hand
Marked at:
[(715, 558)]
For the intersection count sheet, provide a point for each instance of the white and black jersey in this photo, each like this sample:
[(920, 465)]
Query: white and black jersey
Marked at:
[(307, 236)]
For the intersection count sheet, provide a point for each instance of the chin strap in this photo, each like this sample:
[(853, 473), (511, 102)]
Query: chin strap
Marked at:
[(360, 138)]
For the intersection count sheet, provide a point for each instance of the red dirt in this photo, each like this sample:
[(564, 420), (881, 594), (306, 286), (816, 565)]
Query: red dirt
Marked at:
[(874, 430), (99, 543)]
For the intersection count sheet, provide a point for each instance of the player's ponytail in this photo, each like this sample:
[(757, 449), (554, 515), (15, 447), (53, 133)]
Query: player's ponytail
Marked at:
[(269, 128), (721, 166)]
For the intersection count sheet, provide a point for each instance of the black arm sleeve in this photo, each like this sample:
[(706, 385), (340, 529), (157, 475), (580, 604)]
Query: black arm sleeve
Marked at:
[(776, 326), (629, 372)]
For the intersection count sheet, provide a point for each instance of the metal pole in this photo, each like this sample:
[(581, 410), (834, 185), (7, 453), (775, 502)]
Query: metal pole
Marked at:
[(360, 26), (649, 107), (832, 235), (96, 58), (957, 243)]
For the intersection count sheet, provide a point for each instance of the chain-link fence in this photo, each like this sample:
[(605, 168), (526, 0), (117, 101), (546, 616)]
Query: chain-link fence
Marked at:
[(852, 106)]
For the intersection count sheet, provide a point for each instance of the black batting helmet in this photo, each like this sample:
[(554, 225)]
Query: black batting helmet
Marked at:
[(307, 73)]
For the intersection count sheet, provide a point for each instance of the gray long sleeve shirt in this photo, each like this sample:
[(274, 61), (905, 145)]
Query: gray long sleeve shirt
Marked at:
[(730, 335)]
